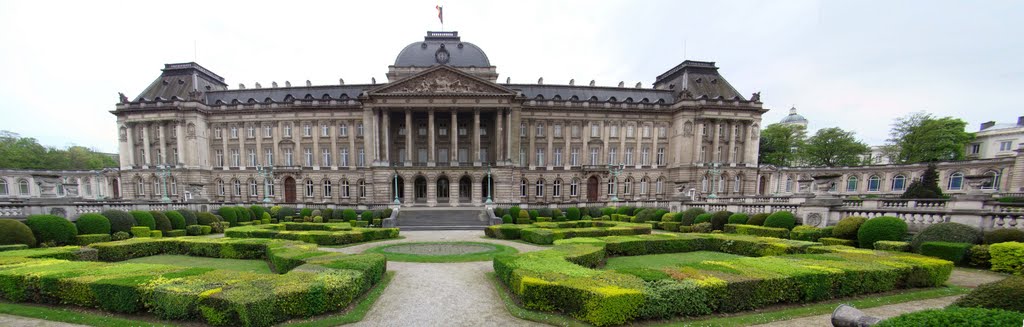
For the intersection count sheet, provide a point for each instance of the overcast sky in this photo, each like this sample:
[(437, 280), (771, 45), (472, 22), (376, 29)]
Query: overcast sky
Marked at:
[(853, 64)]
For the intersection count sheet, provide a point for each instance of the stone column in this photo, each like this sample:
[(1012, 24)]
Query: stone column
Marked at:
[(408, 138), (224, 134), (531, 152), (511, 139), (454, 151), (431, 147), (621, 156), (386, 121), (715, 141), (333, 134), (162, 133), (698, 141), (179, 135), (276, 126), (654, 146), (733, 130), (499, 136), (145, 145), (259, 148), (316, 145), (375, 140), (453, 191), (549, 129), (605, 130), (130, 129), (353, 154), (566, 155), (752, 145), (639, 145), (475, 152)]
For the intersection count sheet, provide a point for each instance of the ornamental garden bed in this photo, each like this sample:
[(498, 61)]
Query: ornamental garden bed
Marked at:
[(545, 233), (762, 271), (316, 233), (306, 282), (442, 251)]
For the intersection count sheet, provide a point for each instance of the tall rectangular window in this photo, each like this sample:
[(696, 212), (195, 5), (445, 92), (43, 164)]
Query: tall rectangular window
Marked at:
[(442, 155), (326, 156), (344, 157), (558, 130), (252, 132), (661, 131), (268, 155), (235, 160), (268, 131), (629, 155), (288, 157), (647, 131), (220, 158), (361, 158), (661, 156), (325, 130), (463, 155), (595, 130), (629, 131), (575, 130), (359, 129), (540, 130), (574, 188), (343, 130), (644, 155), (307, 130), (558, 156), (614, 131), (483, 155), (593, 156), (307, 157), (522, 129), (252, 157), (540, 156), (575, 155), (611, 156), (287, 130), (234, 132)]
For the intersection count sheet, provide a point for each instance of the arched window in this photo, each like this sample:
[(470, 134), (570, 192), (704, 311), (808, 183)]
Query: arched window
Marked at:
[(874, 183), (627, 186), (254, 188), (993, 183), (157, 189), (540, 187), (720, 188), (174, 186), (737, 184), (956, 181), (851, 184), (611, 185), (237, 187), (140, 187), (3, 187), (789, 184), (522, 187), (899, 183), (328, 191), (362, 188), (643, 186), (309, 188), (704, 184), (23, 187), (269, 185), (556, 188), (220, 187), (574, 187), (86, 186), (345, 192)]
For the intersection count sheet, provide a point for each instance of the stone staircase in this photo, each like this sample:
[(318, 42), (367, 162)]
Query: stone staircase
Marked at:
[(412, 219)]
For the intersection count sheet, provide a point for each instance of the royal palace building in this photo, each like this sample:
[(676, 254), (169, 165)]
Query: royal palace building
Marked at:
[(434, 133)]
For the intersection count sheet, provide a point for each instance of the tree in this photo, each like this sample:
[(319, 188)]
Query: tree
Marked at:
[(18, 152), (920, 137), (927, 187), (779, 144), (832, 147)]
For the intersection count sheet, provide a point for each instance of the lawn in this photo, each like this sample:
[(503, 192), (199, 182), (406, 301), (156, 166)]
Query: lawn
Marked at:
[(658, 261), (256, 266)]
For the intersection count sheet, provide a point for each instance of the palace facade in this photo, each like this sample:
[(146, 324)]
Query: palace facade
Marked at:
[(434, 133)]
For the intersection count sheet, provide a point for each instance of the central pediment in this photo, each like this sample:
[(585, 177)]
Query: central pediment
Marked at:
[(442, 80)]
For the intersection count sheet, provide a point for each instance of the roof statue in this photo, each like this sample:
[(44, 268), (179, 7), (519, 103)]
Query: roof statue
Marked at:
[(756, 97), (124, 99)]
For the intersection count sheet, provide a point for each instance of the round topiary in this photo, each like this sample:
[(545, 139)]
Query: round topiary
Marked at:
[(120, 236), (757, 219), (144, 218), (514, 211), (305, 212), (92, 223), (703, 218), (249, 214), (523, 214), (176, 219), (946, 232), (880, 229), (847, 227), (50, 228), (258, 211), (719, 219), (190, 216), (1004, 294), (780, 219), (690, 215), (286, 212), (739, 218), (205, 218), (120, 221), (15, 232), (230, 215), (366, 215), (1004, 235), (163, 224), (572, 213), (533, 214), (506, 219)]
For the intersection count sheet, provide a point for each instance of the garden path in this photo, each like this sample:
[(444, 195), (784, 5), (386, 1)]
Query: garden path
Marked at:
[(15, 321), (440, 294), (960, 277)]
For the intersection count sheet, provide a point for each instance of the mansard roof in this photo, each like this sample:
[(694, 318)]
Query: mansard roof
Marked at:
[(592, 93), (287, 94)]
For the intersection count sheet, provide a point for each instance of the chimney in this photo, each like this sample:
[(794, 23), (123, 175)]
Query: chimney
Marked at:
[(1020, 121), (987, 124)]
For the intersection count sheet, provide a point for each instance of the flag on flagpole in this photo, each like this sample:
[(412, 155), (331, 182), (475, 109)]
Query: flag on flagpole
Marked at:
[(439, 14)]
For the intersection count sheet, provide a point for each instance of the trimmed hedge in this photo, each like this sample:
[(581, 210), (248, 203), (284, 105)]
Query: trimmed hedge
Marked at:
[(897, 246), (719, 219), (143, 218), (317, 233), (955, 252), (86, 239), (757, 230), (191, 218), (703, 218), (176, 219), (50, 228), (120, 221), (953, 316), (15, 232), (1007, 257), (1003, 235), (739, 218), (1006, 294), (13, 247), (883, 228), (228, 213), (836, 241), (205, 218), (757, 219), (847, 227), (162, 222), (978, 256), (690, 215), (806, 233), (176, 233), (92, 223), (140, 231), (572, 213), (780, 219), (946, 232)]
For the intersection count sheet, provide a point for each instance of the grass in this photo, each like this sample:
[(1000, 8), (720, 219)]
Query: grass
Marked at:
[(363, 242), (479, 256), (518, 241), (256, 266), (355, 313), (785, 312), (657, 261)]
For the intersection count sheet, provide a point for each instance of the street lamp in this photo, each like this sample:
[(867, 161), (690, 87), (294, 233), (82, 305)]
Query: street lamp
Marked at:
[(714, 172), (490, 188), (164, 171), (265, 172), (615, 170), (398, 203)]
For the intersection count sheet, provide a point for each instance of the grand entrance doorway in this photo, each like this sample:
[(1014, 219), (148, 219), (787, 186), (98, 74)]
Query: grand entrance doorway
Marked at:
[(465, 189), (442, 189), (289, 190), (420, 188), (592, 186), (116, 190)]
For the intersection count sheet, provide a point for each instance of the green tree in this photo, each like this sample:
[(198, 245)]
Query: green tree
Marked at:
[(925, 188), (18, 152), (920, 137), (779, 144), (832, 147)]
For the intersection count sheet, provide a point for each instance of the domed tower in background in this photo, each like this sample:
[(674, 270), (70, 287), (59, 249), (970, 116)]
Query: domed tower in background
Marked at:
[(442, 48), (794, 119)]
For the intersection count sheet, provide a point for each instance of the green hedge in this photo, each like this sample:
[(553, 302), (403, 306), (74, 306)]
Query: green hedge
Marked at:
[(140, 231), (883, 228), (955, 252), (15, 232), (897, 246), (1003, 235), (52, 229), (92, 223), (806, 233), (317, 233), (1006, 294), (836, 241), (946, 232), (191, 217), (120, 221), (561, 278), (176, 233), (757, 230), (848, 227), (757, 219), (143, 218), (13, 247), (162, 222), (719, 219), (1007, 257), (548, 232), (176, 219), (86, 239), (780, 219), (690, 215), (955, 317), (739, 218), (195, 230)]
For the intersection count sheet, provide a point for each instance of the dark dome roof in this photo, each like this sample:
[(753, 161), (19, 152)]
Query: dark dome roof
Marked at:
[(425, 53)]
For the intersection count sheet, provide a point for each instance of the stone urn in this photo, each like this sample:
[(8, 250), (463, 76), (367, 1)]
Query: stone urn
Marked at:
[(823, 183), (978, 183)]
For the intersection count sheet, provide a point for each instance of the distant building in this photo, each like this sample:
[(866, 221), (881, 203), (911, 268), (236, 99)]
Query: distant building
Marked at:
[(996, 140), (876, 156), (794, 119)]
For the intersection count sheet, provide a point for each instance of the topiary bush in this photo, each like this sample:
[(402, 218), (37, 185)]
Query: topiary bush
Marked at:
[(306, 212), (690, 215), (1006, 294), (15, 232), (92, 223), (349, 215), (533, 214), (120, 221), (757, 219), (955, 252), (978, 256), (258, 211), (572, 213), (189, 215), (703, 218), (162, 223), (1003, 235), (739, 218), (719, 219), (556, 213), (847, 227), (954, 316), (896, 246), (50, 228), (506, 219), (140, 231), (704, 227), (946, 232), (143, 218), (229, 214), (176, 219), (514, 211), (883, 228), (1007, 257), (120, 236), (780, 219), (205, 218), (366, 216), (806, 233), (286, 212)]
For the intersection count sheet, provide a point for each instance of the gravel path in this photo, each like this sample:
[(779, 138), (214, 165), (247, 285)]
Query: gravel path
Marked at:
[(440, 294), (15, 321), (960, 277)]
